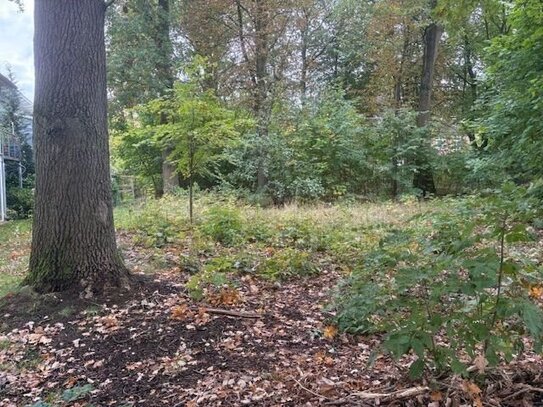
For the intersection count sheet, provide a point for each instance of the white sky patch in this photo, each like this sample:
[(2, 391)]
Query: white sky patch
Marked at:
[(16, 43)]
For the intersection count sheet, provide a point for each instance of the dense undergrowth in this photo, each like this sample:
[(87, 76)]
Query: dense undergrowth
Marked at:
[(276, 244), (458, 288), (456, 282)]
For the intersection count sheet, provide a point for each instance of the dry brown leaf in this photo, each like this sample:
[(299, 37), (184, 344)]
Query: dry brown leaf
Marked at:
[(436, 396), (71, 382), (226, 296), (474, 392), (180, 312), (480, 363), (110, 321), (536, 291), (330, 332), (326, 385)]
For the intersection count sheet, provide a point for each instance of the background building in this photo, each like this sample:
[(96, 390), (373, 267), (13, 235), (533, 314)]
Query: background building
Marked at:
[(15, 133)]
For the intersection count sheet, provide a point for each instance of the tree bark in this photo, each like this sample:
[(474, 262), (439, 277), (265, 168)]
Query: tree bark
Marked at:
[(424, 178), (261, 95), (170, 176), (259, 80), (73, 240)]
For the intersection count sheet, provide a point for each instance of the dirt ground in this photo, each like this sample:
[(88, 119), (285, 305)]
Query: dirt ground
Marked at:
[(268, 344)]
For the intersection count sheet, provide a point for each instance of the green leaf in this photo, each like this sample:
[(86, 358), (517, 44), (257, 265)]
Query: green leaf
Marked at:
[(77, 392), (416, 369), (532, 316), (458, 367), (518, 234)]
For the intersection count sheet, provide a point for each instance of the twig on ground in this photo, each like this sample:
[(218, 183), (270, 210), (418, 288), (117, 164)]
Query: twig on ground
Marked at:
[(229, 313), (311, 391), (396, 395), (525, 388)]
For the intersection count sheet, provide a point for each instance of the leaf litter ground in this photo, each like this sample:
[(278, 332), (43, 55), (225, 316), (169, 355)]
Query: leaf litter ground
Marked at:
[(260, 344)]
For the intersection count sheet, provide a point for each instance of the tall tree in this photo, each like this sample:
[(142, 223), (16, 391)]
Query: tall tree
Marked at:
[(208, 30), (261, 24), (165, 74), (73, 242), (140, 65), (424, 179)]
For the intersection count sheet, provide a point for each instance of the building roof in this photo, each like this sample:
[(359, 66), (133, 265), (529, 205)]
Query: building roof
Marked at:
[(26, 105), (6, 82)]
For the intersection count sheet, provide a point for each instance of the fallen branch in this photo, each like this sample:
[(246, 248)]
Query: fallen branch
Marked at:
[(395, 395), (311, 391), (525, 388), (237, 314)]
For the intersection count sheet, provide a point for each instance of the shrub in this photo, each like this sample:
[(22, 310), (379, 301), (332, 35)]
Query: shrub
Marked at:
[(223, 224), (287, 263), (453, 295), (21, 202), (199, 283), (154, 225), (302, 234)]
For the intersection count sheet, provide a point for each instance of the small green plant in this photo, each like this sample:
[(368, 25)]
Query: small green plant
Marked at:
[(77, 392), (287, 263), (302, 234), (5, 344), (213, 275), (224, 225), (449, 289), (153, 227)]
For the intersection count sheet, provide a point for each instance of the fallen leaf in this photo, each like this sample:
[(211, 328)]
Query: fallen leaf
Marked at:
[(330, 332), (480, 363)]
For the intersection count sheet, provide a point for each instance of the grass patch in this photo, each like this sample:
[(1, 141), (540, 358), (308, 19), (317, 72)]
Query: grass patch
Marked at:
[(14, 253), (9, 284)]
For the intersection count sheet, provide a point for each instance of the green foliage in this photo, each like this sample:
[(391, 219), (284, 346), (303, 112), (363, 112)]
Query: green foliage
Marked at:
[(512, 106), (314, 153), (77, 392), (213, 276), (153, 226), (449, 287), (223, 224), (136, 151), (287, 263), (21, 202), (198, 127)]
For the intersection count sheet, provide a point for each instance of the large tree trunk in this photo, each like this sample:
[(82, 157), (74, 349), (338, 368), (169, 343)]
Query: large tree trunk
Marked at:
[(262, 109), (73, 240), (424, 178), (259, 80), (170, 177)]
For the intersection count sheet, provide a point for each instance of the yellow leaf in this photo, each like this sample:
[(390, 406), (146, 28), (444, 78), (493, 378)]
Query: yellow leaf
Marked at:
[(180, 312), (330, 332), (536, 291), (472, 390)]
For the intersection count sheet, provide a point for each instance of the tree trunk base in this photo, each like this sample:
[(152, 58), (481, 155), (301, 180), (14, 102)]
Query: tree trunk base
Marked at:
[(44, 278)]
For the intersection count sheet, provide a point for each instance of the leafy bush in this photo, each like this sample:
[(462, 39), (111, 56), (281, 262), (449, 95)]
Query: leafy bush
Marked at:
[(302, 234), (223, 224), (452, 295), (154, 226), (198, 283), (21, 202), (287, 263)]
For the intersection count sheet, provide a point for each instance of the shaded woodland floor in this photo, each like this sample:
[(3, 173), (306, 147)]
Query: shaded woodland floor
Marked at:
[(250, 341)]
